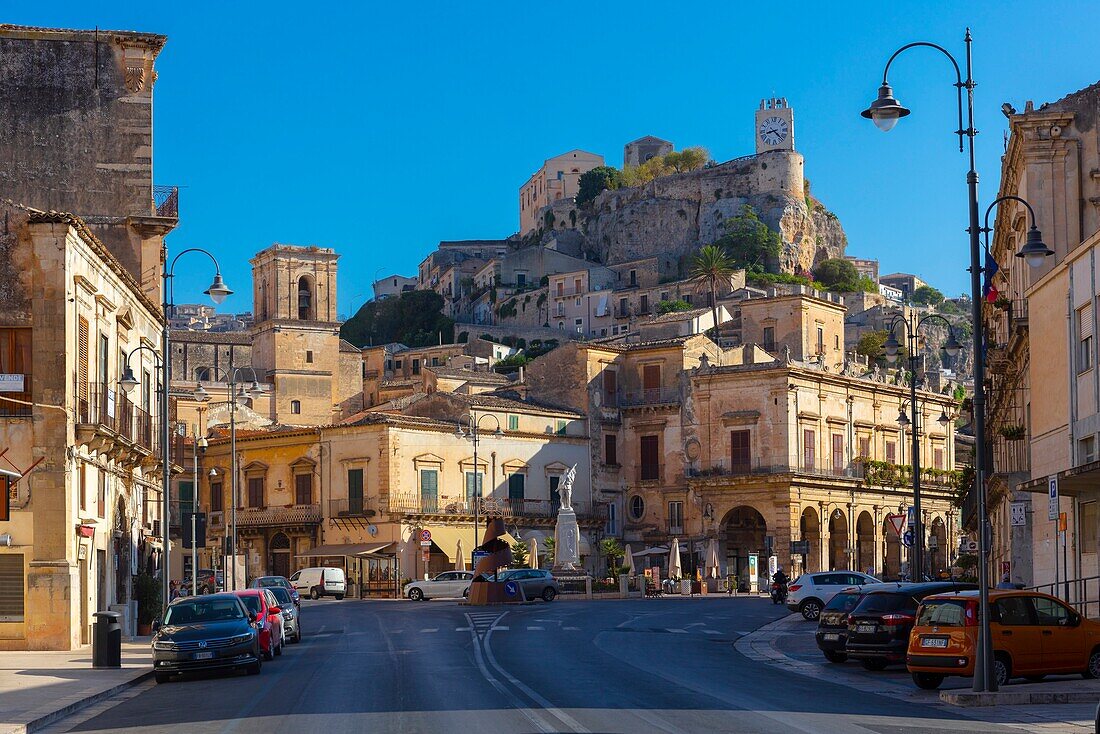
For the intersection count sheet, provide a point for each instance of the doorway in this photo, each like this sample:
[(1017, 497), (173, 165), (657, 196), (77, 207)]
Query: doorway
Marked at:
[(280, 555)]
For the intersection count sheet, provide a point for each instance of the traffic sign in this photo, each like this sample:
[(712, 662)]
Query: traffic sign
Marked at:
[(907, 539), (1052, 495), (511, 588), (425, 544), (897, 522), (911, 516), (800, 547), (1018, 514), (426, 536)]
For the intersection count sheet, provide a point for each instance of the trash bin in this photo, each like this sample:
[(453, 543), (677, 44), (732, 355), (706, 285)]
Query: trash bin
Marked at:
[(107, 641)]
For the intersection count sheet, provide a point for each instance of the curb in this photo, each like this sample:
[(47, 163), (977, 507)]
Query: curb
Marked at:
[(71, 708), (1015, 698)]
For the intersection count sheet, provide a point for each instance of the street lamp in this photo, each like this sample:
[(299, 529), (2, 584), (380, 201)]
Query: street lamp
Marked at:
[(885, 111), (475, 436), (254, 390), (893, 348), (1034, 252)]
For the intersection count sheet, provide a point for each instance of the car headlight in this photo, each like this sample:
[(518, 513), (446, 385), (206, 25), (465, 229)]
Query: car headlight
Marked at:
[(241, 638), (164, 645)]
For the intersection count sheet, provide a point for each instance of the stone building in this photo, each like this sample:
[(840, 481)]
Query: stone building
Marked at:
[(558, 178), (639, 151), (907, 283)]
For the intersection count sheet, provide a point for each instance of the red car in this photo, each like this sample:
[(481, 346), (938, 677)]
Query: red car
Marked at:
[(269, 621)]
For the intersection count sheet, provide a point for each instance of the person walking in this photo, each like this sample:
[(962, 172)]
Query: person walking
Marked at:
[(1006, 582)]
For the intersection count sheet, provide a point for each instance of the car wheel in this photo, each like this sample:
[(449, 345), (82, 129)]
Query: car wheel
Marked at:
[(269, 653), (254, 668), (314, 594), (416, 594), (279, 649), (339, 597), (162, 677), (811, 609), (927, 681), (1002, 670), (835, 657), (548, 593), (1093, 669), (466, 594), (298, 634), (874, 663)]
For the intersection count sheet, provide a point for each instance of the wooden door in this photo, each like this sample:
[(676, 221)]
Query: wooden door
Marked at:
[(651, 458)]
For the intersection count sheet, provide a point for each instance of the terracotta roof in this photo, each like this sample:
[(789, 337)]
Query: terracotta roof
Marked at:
[(347, 347), (678, 316), (506, 401), (469, 375)]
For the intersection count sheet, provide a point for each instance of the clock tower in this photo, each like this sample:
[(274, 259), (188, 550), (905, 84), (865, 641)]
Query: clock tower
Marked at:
[(774, 125)]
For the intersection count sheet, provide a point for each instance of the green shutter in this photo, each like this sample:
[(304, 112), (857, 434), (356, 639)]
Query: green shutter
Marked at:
[(429, 490)]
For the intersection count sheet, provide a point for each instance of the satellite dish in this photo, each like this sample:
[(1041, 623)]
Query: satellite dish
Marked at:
[(373, 530)]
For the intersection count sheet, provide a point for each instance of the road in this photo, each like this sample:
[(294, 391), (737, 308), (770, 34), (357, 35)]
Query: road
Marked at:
[(568, 666)]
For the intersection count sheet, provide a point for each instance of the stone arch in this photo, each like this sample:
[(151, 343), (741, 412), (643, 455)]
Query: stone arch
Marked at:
[(938, 555), (743, 531), (810, 531), (891, 555), (838, 539), (306, 311), (865, 542)]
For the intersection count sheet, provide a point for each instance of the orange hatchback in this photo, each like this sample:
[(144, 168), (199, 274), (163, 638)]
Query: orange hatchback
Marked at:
[(1034, 635)]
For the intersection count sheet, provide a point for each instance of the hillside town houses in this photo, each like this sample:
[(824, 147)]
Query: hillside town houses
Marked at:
[(739, 411)]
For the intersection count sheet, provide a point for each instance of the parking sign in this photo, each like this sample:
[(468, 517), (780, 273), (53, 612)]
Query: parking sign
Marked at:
[(1052, 506)]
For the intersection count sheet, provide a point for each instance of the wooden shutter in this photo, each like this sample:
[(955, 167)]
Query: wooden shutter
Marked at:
[(610, 452), (740, 457), (1084, 321), (516, 486), (355, 491), (11, 587), (838, 452), (651, 377), (217, 499), (82, 359), (808, 449), (651, 458), (303, 489), (429, 490), (255, 491)]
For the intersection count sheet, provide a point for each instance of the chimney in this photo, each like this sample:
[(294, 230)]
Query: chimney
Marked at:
[(521, 374)]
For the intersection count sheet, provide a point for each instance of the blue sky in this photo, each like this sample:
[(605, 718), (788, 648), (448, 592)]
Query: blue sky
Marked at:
[(381, 129)]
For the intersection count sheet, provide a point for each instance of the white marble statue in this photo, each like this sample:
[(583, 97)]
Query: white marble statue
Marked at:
[(565, 489)]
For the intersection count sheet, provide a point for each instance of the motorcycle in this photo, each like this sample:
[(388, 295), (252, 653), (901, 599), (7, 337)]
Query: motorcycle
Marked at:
[(779, 593)]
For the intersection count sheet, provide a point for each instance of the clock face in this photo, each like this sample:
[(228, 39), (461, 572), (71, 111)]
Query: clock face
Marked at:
[(773, 130)]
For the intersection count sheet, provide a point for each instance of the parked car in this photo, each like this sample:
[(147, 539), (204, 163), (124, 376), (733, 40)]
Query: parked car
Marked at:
[(879, 625), (832, 626), (1034, 635), (321, 581), (271, 582), (810, 592), (291, 613), (537, 583), (449, 584), (209, 582), (203, 633), (261, 603)]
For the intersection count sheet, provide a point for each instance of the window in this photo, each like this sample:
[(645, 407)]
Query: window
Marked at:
[(651, 381), (305, 299), (651, 459), (740, 456), (836, 341), (769, 338), (610, 450), (838, 453), (255, 491), (513, 423), (186, 497), (517, 485), (303, 489), (687, 298), (1087, 524), (664, 295), (101, 493), (808, 449), (309, 357), (937, 458), (295, 406), (81, 361), (217, 499), (83, 478), (11, 587), (560, 285), (435, 361), (561, 428), (643, 303), (865, 447), (1086, 450), (633, 277), (429, 490), (579, 325), (355, 491), (398, 363), (612, 527), (623, 307), (891, 452), (555, 498), (1084, 338), (576, 285), (637, 507), (521, 280), (470, 491), (610, 387), (1012, 611), (676, 518), (820, 340), (1049, 612)]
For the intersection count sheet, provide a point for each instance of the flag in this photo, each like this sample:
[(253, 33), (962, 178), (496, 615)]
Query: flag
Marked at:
[(989, 291)]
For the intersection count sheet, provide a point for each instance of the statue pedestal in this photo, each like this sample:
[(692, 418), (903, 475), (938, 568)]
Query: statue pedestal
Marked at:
[(567, 541)]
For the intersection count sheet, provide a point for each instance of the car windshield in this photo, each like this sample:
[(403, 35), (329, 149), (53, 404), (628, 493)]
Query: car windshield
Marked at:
[(845, 601), (944, 613), (271, 582), (203, 610), (281, 595), (884, 604), (252, 603)]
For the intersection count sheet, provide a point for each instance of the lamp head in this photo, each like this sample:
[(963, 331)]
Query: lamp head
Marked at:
[(885, 111), (200, 393), (903, 419), (218, 290), (213, 472), (498, 433), (944, 419), (1034, 251), (128, 381), (891, 347), (952, 346), (459, 433)]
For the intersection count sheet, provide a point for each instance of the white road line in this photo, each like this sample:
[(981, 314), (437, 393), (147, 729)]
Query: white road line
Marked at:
[(681, 632), (430, 629), (464, 629), (499, 628), (711, 632), (572, 629), (534, 629)]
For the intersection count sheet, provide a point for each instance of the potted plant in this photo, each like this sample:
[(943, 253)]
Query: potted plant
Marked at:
[(148, 596), (1013, 432)]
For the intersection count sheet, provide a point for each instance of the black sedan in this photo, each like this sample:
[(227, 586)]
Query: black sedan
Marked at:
[(832, 624), (205, 633)]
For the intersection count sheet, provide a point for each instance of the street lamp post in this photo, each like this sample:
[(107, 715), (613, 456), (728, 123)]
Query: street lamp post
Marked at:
[(885, 111), (201, 395), (892, 347), (199, 443), (475, 436)]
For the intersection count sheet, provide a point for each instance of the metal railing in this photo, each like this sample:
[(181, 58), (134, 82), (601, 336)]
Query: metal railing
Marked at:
[(411, 504), (101, 405), (166, 201), (651, 396), (567, 292), (357, 507), (292, 514), (648, 473), (1083, 594)]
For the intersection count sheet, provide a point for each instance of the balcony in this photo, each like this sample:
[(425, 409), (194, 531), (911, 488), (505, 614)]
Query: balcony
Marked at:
[(279, 516), (166, 201), (651, 396), (997, 359), (107, 418), (409, 504), (358, 507), (1017, 315)]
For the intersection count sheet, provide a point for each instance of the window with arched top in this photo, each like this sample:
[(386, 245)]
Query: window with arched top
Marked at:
[(305, 299)]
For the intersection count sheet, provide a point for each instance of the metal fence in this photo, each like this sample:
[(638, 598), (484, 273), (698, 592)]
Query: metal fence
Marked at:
[(1082, 594)]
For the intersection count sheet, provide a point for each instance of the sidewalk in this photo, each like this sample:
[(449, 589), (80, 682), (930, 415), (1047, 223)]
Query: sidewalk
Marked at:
[(38, 688), (1066, 704)]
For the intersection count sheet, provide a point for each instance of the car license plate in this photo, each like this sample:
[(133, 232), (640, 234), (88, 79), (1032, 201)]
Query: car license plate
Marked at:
[(831, 637), (865, 629), (933, 642), (202, 656)]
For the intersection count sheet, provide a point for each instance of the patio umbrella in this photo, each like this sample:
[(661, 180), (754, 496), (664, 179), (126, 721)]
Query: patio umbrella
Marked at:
[(674, 570), (629, 561), (712, 560), (460, 557), (533, 552)]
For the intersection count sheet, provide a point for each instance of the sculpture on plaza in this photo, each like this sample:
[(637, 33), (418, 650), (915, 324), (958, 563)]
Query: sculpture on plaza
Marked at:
[(567, 534)]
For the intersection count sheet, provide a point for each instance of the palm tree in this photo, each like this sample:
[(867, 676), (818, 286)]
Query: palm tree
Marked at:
[(709, 266), (549, 545), (610, 547)]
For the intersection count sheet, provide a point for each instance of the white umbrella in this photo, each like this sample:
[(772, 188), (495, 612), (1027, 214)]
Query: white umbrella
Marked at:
[(629, 561), (674, 570), (460, 557), (533, 552), (712, 560)]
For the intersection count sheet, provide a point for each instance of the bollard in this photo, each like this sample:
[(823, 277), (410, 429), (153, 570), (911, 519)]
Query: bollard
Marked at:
[(588, 587), (624, 586)]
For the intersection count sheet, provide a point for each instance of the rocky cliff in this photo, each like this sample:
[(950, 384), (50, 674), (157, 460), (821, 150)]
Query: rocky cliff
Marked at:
[(678, 214)]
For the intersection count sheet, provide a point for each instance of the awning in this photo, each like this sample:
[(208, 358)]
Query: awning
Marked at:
[(445, 537), (354, 549), (1080, 481)]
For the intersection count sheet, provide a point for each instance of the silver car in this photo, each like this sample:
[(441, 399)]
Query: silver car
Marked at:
[(449, 584), (291, 614), (537, 583)]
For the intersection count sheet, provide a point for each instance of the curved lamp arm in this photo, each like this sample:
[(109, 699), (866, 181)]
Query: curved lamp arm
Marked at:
[(218, 290), (886, 94)]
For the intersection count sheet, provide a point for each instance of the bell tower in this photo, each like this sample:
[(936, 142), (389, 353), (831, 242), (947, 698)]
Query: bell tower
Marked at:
[(774, 125)]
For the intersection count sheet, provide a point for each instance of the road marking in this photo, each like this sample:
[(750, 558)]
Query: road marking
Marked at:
[(711, 632), (430, 629), (396, 632), (534, 629), (499, 628), (572, 629), (681, 632), (464, 629)]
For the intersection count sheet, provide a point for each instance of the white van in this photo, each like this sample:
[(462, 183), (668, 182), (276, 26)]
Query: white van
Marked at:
[(318, 582)]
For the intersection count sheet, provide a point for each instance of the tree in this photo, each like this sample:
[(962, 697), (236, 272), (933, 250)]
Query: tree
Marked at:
[(611, 548), (549, 545), (519, 554), (709, 266), (838, 275), (749, 242), (688, 159), (677, 304), (871, 346), (596, 180), (926, 295), (414, 318)]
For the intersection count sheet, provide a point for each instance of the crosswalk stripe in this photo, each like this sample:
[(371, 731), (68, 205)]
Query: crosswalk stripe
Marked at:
[(572, 629), (711, 632), (680, 632), (430, 629)]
